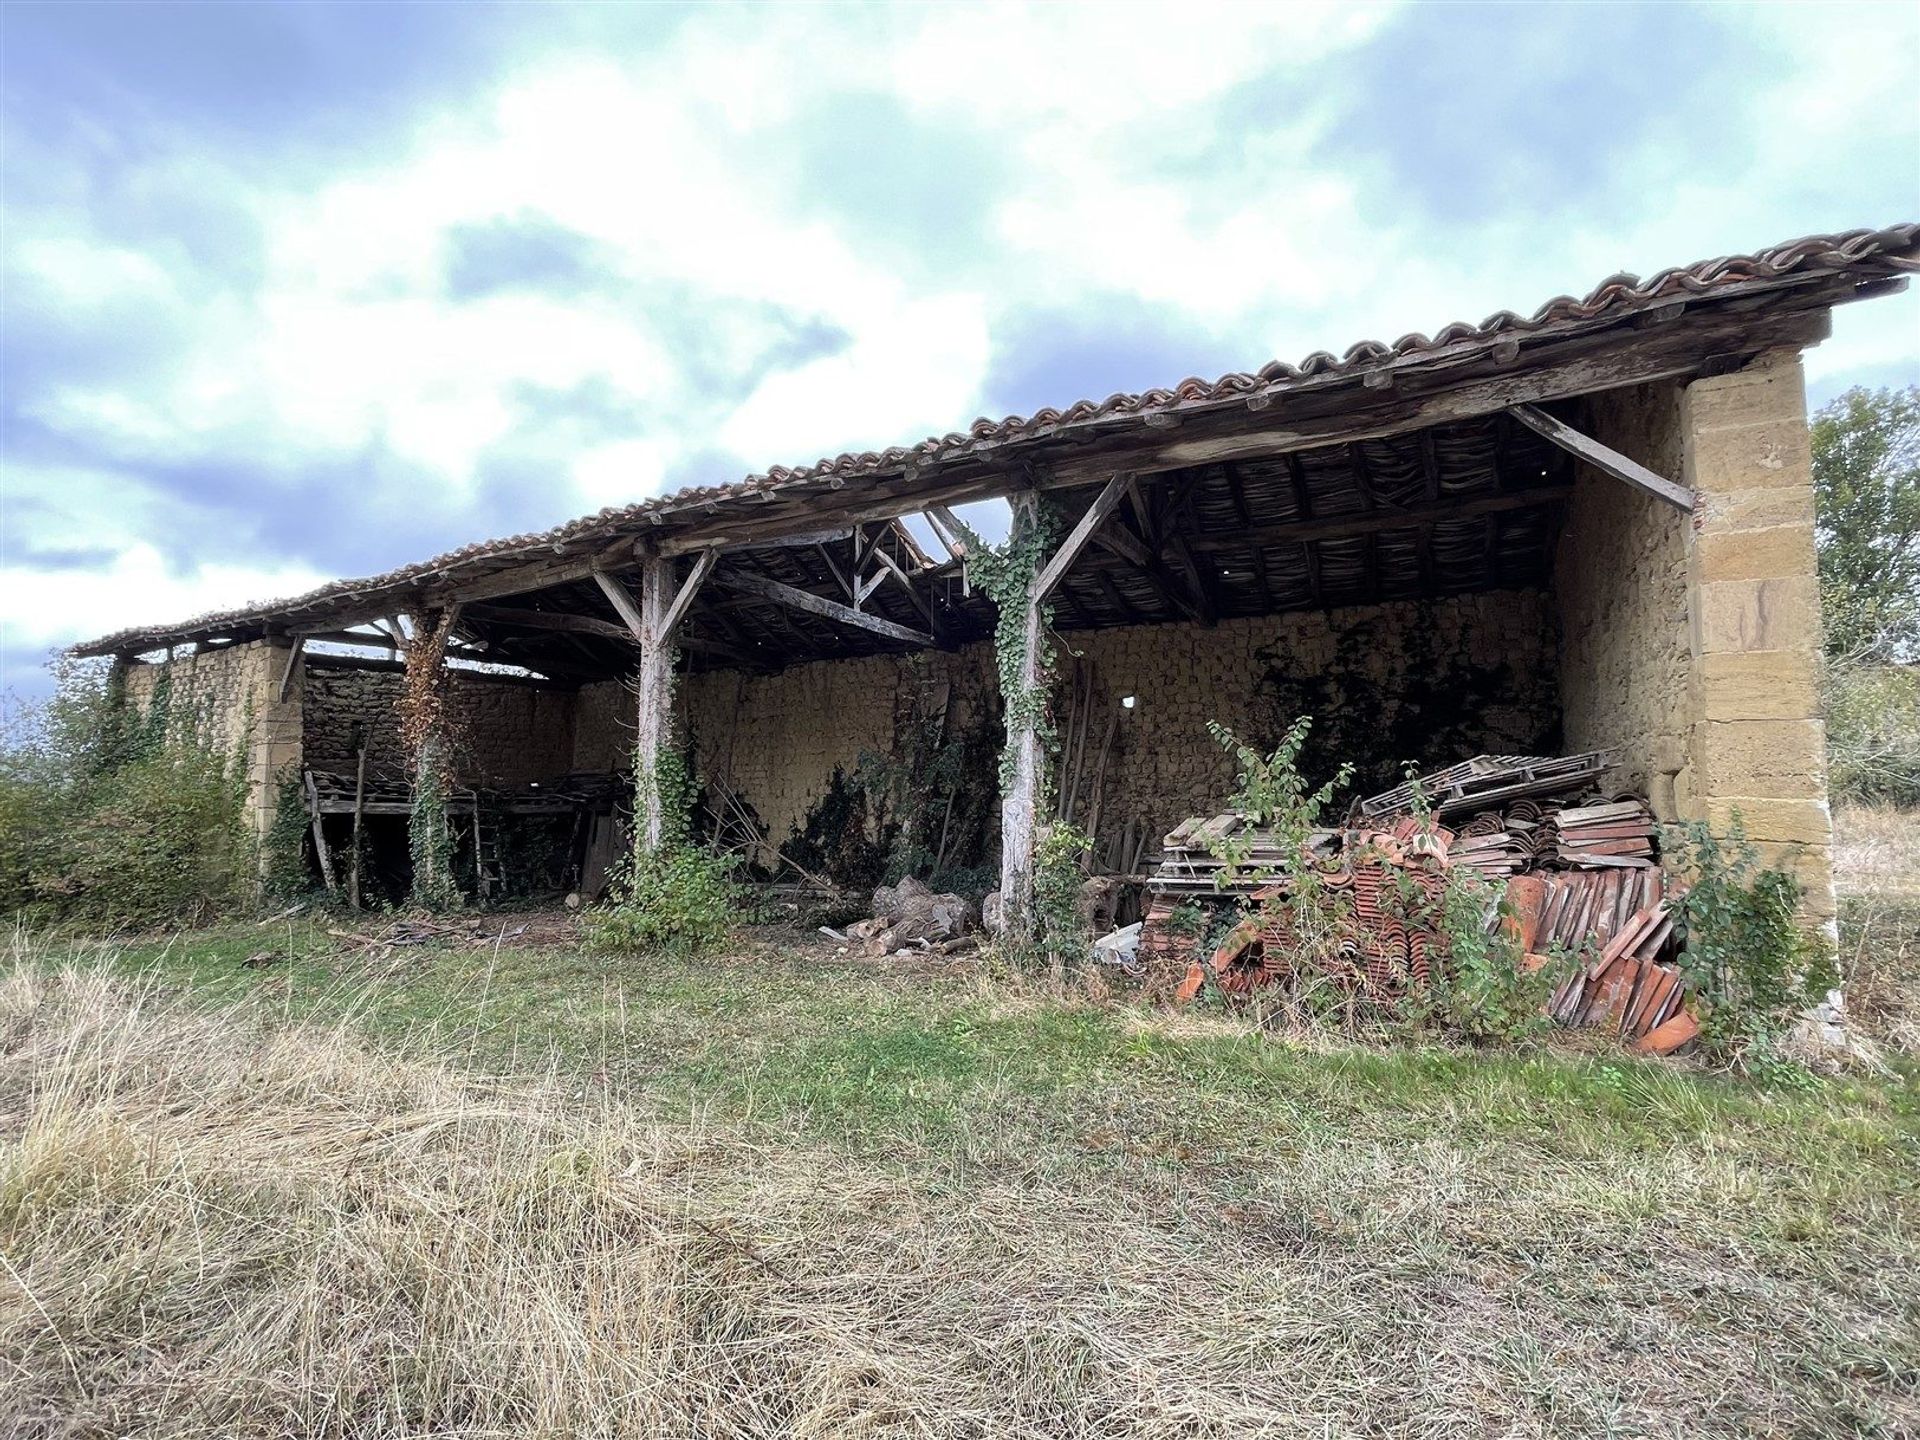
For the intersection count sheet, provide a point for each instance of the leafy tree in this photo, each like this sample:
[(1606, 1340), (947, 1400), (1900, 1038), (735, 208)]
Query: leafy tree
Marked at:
[(1866, 477)]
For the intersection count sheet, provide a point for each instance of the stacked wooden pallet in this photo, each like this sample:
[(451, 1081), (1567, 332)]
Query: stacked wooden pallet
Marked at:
[(1191, 861), (1490, 780)]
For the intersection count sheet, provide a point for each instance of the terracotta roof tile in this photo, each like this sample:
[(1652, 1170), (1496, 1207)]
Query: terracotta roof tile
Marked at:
[(1865, 251)]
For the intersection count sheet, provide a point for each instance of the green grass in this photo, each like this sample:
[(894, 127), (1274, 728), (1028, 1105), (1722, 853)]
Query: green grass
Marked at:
[(862, 1051), (1596, 1240)]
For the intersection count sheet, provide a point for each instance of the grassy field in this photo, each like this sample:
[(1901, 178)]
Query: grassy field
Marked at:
[(260, 1181)]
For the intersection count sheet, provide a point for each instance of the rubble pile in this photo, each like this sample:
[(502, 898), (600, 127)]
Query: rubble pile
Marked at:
[(908, 919)]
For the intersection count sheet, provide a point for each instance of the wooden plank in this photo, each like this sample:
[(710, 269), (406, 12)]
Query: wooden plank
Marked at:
[(820, 605), (1602, 457), (1076, 541)]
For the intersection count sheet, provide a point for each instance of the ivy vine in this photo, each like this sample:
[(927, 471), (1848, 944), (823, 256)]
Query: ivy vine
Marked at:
[(425, 730), (1006, 573)]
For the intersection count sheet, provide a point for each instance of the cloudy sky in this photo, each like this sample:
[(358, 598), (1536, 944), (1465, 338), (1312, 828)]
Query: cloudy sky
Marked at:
[(307, 290)]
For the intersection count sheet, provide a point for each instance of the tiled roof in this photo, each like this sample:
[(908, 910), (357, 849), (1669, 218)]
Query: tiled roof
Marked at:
[(1869, 253)]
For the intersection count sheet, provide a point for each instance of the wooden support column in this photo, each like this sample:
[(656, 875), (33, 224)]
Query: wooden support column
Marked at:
[(653, 618), (1019, 805)]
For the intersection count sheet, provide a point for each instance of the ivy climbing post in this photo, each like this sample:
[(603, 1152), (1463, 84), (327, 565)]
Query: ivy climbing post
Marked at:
[(653, 617), (425, 729), (1019, 577), (1023, 672)]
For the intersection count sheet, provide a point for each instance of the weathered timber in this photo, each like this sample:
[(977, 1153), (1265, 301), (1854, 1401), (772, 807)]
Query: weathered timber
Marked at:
[(1019, 806), (1076, 541), (292, 666), (812, 604), (1603, 458)]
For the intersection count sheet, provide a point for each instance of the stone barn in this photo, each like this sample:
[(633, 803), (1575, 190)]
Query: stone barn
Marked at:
[(1587, 528)]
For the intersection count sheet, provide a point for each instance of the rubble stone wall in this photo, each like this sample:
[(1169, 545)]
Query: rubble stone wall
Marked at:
[(233, 694), (1621, 582), (508, 732)]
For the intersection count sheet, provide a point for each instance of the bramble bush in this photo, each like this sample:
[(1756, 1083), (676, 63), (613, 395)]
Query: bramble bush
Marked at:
[(115, 815)]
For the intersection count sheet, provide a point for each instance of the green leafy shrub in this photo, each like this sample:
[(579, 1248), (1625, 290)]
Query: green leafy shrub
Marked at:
[(112, 814), (1480, 988), (1752, 966), (679, 900)]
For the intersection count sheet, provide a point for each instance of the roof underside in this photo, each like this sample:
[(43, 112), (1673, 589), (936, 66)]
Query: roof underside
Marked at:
[(1387, 473)]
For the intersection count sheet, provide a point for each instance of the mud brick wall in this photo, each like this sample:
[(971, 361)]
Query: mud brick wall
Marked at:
[(507, 732), (776, 739), (1621, 580), (1427, 682), (603, 727)]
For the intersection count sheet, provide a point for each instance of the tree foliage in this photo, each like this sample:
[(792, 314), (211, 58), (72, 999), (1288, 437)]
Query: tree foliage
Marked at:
[(1866, 475), (113, 813)]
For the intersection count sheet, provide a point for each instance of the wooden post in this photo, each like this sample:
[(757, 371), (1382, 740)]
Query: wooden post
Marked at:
[(359, 814), (1020, 804), (654, 720), (320, 835)]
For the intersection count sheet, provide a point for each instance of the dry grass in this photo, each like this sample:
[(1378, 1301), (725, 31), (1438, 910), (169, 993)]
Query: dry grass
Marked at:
[(220, 1222), (1876, 866)]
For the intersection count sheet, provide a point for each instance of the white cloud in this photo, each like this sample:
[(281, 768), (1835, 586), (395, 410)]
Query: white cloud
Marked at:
[(1115, 173)]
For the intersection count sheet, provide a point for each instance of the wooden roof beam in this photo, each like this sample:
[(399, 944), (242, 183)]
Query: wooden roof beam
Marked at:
[(1605, 459), (808, 602)]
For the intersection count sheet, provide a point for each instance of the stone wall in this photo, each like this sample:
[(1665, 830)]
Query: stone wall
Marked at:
[(1758, 741), (1693, 642), (508, 731), (1427, 682), (233, 695), (777, 739), (1621, 582)]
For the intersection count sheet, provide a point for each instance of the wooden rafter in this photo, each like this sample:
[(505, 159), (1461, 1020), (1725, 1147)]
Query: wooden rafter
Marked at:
[(1103, 506)]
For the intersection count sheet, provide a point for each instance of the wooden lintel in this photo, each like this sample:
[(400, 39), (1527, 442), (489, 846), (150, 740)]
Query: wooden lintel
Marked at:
[(812, 604), (1603, 457), (1076, 541)]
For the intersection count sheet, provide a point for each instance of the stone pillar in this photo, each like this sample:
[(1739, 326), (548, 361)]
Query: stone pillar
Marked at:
[(276, 742), (1757, 742)]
